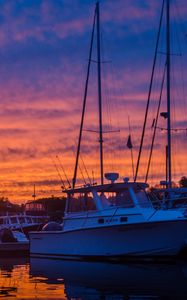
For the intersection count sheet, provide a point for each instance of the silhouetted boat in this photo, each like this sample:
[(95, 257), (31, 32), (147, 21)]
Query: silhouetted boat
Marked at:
[(110, 220)]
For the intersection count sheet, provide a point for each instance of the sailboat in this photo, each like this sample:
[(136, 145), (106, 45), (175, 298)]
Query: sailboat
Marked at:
[(169, 196), (112, 219)]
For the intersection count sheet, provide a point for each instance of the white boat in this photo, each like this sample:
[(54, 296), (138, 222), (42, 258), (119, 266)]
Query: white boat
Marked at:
[(22, 222), (13, 242), (110, 220)]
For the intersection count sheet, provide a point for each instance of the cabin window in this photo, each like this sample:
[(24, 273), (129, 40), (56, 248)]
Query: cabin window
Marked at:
[(143, 199), (104, 200), (81, 203), (121, 198), (124, 199)]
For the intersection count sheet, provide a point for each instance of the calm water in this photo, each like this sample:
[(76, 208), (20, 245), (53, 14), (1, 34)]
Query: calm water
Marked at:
[(57, 279)]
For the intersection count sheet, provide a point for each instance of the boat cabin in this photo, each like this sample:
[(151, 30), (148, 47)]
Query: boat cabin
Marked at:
[(102, 197)]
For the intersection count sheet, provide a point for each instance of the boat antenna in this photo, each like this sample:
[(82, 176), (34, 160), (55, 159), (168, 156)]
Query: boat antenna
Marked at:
[(84, 103), (34, 194), (63, 171), (168, 92), (149, 93), (62, 181), (99, 91)]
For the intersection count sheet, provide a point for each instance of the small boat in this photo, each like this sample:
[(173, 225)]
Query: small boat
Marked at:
[(22, 222), (109, 220), (13, 242)]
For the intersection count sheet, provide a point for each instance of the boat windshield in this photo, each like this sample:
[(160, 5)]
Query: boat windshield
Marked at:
[(85, 202), (81, 203), (120, 199), (124, 199)]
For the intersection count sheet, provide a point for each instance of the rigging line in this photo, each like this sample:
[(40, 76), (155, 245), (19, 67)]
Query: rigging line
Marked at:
[(63, 171), (63, 184), (172, 129), (80, 169), (84, 101), (155, 127), (132, 158), (180, 24), (96, 131), (108, 100), (149, 93), (85, 169), (155, 96)]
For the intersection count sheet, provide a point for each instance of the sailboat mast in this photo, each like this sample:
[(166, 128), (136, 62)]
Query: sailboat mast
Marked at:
[(168, 90), (84, 103), (99, 91)]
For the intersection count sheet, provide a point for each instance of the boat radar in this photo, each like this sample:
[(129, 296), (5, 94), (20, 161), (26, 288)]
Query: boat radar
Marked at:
[(112, 176)]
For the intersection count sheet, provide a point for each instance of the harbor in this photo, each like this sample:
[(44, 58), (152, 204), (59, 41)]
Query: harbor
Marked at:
[(93, 193)]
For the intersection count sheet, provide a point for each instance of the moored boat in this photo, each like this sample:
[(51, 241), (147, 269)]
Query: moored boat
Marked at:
[(22, 222), (109, 220), (112, 221), (13, 242)]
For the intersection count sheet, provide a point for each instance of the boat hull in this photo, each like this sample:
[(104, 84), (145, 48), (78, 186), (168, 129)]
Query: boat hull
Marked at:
[(11, 248), (145, 239)]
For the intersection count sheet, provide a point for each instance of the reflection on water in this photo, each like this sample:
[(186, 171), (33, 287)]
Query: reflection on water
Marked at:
[(17, 282), (58, 279)]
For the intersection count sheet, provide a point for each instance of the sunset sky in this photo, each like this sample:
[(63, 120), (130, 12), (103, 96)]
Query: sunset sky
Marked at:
[(44, 46)]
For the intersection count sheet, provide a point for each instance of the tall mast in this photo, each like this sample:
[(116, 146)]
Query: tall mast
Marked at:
[(99, 91), (149, 93), (84, 104), (168, 90)]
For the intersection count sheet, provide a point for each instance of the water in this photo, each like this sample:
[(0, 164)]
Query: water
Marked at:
[(22, 278)]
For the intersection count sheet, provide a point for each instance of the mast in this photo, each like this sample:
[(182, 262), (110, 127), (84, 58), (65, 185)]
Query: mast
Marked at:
[(168, 91), (99, 91), (149, 93), (84, 104), (96, 20)]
